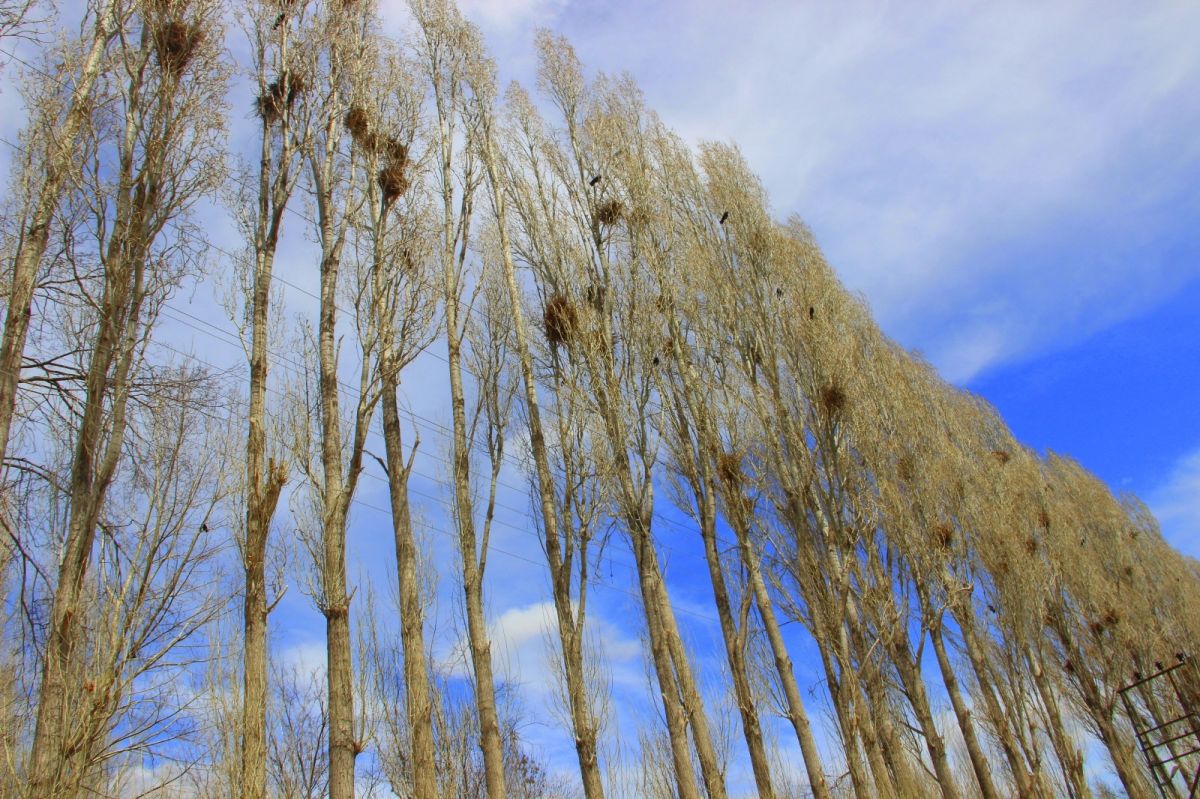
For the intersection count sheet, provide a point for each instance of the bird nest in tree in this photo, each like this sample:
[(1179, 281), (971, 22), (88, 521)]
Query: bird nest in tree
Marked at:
[(610, 213), (280, 95), (1001, 456), (175, 43), (366, 135), (729, 468), (832, 398), (393, 181), (361, 128), (560, 319), (394, 150), (943, 534), (393, 178)]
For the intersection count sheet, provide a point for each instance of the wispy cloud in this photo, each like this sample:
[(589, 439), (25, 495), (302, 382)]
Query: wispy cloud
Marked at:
[(1176, 504), (999, 180)]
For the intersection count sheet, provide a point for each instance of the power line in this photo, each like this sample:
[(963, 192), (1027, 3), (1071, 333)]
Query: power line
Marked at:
[(593, 580), (289, 208), (230, 338)]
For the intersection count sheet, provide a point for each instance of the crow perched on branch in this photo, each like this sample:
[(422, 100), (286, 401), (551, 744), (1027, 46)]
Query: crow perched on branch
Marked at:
[(724, 216), (595, 180)]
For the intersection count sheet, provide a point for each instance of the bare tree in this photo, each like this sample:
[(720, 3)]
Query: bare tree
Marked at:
[(446, 43), (60, 114), (158, 137), (280, 81), (555, 513), (59, 119), (344, 53), (400, 236)]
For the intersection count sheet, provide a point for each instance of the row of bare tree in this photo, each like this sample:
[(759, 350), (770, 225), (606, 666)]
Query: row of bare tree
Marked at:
[(619, 314)]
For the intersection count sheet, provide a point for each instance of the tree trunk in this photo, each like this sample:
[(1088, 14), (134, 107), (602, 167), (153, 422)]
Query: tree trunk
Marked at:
[(570, 632), (1069, 757), (95, 460), (696, 441), (734, 645), (335, 601), (850, 733), (1118, 749), (1022, 776), (914, 689), (418, 693), (481, 657), (646, 562), (796, 712), (979, 763), (264, 482)]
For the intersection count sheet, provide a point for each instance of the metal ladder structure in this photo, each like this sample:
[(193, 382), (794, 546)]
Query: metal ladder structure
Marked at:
[(1171, 746)]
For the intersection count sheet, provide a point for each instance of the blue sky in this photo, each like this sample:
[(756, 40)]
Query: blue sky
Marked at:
[(1013, 187)]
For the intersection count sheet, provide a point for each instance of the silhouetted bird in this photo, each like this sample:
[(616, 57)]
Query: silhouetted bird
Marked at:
[(1180, 657), (812, 312), (203, 527), (595, 180), (778, 292), (1158, 665), (724, 216)]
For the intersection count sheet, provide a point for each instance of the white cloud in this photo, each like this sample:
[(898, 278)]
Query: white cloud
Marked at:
[(507, 14), (1176, 504), (999, 179), (525, 640), (306, 657)]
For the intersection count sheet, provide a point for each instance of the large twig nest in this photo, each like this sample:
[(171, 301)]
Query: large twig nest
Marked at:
[(281, 93), (832, 398), (560, 319), (175, 43), (729, 468), (610, 213), (362, 129), (393, 180)]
